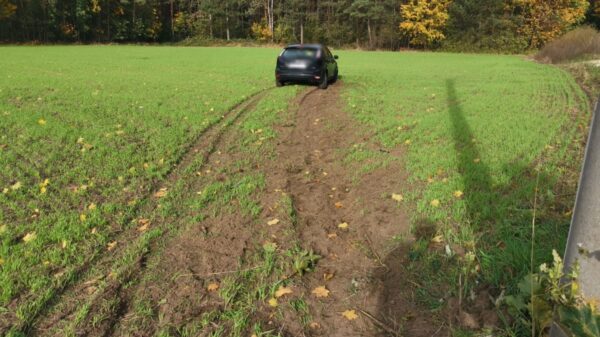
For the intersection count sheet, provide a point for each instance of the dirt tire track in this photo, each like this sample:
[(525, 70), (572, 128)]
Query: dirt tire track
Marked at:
[(72, 294), (363, 258)]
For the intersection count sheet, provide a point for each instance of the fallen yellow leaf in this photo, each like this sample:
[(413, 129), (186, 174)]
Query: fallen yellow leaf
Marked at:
[(82, 217), (314, 325), (41, 121), (64, 244), (273, 302), (437, 239), (16, 186), (92, 206), (111, 245), (273, 222), (283, 290), (407, 142), (328, 276), (161, 193), (1, 261), (3, 228), (212, 286), (332, 236), (320, 291), (143, 228), (350, 315), (343, 225), (397, 197), (339, 204), (435, 203), (458, 194), (29, 237)]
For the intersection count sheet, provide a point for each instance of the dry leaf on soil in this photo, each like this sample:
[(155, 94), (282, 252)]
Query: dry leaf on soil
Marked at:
[(283, 290), (212, 286), (343, 225), (437, 239), (273, 302), (111, 245), (458, 194), (328, 276), (273, 222), (321, 292), (339, 204), (350, 315), (314, 325), (161, 193), (397, 197), (435, 203)]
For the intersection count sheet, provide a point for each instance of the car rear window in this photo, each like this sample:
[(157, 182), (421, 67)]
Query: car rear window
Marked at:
[(300, 53)]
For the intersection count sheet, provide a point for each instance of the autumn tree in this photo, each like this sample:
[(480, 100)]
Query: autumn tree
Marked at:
[(424, 21), (544, 20), (6, 9)]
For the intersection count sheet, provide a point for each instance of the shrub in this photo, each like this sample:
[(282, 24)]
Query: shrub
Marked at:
[(573, 45)]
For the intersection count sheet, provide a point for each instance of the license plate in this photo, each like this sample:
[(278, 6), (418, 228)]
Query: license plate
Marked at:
[(297, 65)]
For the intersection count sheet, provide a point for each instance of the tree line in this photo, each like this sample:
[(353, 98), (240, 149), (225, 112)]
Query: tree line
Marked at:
[(502, 25)]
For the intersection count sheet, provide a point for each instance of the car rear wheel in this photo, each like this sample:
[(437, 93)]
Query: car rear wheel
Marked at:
[(278, 83), (324, 81)]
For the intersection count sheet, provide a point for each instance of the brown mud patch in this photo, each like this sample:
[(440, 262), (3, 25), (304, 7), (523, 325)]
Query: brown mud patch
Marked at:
[(361, 265), (367, 265)]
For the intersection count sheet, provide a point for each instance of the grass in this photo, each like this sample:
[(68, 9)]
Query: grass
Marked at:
[(87, 133), (477, 130), (103, 125)]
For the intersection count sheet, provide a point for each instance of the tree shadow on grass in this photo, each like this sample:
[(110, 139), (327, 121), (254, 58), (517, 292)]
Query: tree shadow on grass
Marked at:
[(423, 281)]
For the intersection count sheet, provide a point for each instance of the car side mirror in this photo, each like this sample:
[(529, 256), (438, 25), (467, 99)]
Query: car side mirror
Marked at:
[(336, 57)]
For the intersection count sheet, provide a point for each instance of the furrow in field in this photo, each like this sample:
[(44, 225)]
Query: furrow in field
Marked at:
[(83, 282), (349, 219)]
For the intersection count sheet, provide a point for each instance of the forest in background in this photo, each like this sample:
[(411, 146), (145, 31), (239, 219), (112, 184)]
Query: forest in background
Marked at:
[(466, 25)]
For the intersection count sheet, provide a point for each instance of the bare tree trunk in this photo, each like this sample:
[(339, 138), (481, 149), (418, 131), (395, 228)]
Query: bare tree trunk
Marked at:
[(370, 35), (270, 21), (210, 30), (301, 32), (172, 30), (134, 35), (227, 22), (108, 19)]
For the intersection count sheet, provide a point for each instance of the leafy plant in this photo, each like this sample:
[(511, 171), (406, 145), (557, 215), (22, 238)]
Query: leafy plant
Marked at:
[(303, 260), (551, 295)]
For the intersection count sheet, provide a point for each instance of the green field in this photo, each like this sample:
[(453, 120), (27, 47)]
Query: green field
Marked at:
[(88, 134)]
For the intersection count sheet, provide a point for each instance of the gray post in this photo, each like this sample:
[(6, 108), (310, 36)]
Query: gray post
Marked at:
[(583, 244)]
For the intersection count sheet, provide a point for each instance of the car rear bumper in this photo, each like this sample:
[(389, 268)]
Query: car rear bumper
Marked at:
[(298, 76)]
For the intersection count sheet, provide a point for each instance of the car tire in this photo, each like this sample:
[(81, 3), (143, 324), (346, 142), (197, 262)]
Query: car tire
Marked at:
[(278, 83), (324, 81)]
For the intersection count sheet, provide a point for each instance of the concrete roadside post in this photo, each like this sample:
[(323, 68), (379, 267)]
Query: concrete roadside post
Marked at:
[(583, 244)]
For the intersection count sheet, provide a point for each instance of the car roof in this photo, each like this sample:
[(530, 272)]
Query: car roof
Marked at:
[(306, 45)]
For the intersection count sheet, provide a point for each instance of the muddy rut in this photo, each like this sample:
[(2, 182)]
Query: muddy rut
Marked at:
[(346, 217)]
